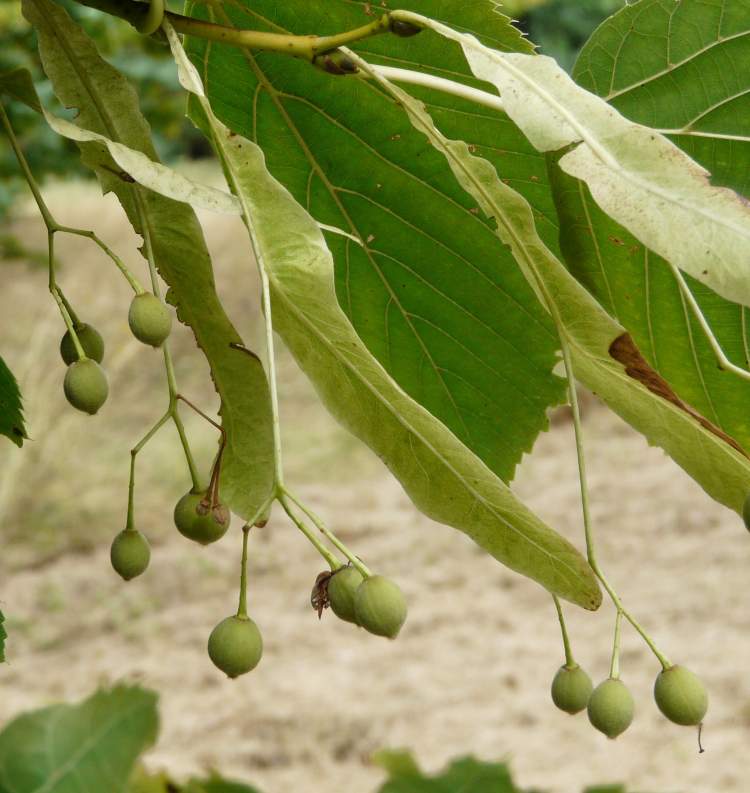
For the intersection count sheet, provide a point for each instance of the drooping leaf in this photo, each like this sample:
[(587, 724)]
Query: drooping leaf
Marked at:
[(11, 407), (134, 164), (92, 746), (606, 359), (441, 475), (430, 291), (636, 175), (108, 105), (665, 64)]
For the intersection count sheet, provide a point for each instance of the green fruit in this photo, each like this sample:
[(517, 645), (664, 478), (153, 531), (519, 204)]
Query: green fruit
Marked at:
[(130, 553), (85, 385), (681, 696), (571, 689), (150, 320), (91, 341), (379, 606), (196, 520), (611, 707), (342, 589), (235, 645)]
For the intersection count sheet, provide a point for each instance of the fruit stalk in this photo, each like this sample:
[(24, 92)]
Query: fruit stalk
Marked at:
[(569, 659), (326, 532), (332, 560), (129, 522), (242, 607), (587, 524)]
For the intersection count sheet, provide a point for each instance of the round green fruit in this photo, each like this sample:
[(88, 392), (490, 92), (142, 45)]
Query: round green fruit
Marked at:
[(342, 589), (235, 646), (379, 606), (681, 696), (150, 320), (91, 341), (197, 521), (611, 707), (85, 385), (130, 554), (571, 689)]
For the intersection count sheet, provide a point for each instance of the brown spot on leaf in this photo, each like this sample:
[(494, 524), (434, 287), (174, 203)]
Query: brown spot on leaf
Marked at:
[(624, 351)]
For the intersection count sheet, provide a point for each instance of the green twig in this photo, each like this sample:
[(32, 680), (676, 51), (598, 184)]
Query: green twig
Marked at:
[(305, 47)]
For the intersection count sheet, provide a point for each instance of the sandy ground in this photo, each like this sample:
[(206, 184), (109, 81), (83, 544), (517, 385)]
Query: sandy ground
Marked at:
[(471, 670)]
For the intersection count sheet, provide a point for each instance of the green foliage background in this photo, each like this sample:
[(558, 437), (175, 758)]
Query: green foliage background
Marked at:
[(143, 60)]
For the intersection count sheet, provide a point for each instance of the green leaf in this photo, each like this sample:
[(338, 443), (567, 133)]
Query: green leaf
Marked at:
[(441, 475), (397, 762), (466, 775), (606, 789), (627, 62), (108, 105), (11, 408), (432, 294), (216, 784), (636, 175), (141, 781), (81, 748), (606, 360), (17, 83), (3, 637)]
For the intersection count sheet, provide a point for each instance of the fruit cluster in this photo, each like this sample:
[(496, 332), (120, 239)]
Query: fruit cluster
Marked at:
[(85, 383), (679, 695)]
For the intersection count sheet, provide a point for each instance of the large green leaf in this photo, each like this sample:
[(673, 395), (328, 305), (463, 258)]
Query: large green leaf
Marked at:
[(635, 174), (81, 748), (665, 64), (431, 293), (11, 408), (444, 478), (606, 360), (108, 105)]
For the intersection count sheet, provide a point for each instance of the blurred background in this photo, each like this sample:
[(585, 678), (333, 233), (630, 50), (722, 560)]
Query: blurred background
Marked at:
[(471, 670)]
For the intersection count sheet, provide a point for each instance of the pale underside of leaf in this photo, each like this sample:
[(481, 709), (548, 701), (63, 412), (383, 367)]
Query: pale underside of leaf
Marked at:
[(623, 380), (444, 478), (684, 67), (636, 175)]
